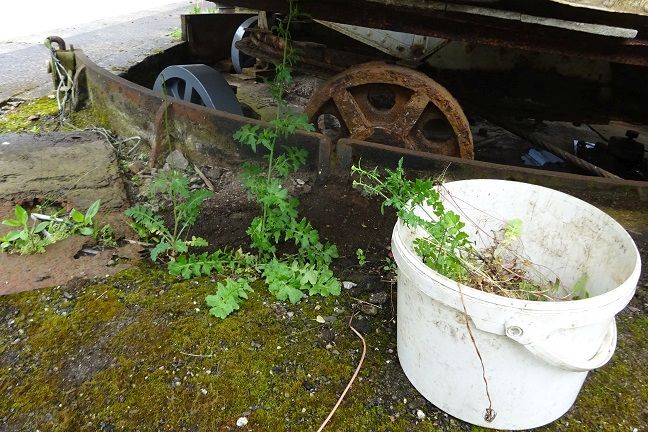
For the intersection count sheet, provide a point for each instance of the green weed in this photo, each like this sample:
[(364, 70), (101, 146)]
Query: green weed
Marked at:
[(170, 187), (445, 247), (362, 259), (35, 237), (306, 272), (26, 239), (176, 35)]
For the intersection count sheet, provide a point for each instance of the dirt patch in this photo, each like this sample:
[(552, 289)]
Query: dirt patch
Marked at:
[(341, 215)]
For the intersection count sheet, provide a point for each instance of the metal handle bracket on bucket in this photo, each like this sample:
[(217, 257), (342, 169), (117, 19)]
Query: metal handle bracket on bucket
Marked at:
[(543, 349)]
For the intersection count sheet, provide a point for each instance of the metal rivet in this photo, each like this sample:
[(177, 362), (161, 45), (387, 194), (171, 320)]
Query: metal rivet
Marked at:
[(514, 331)]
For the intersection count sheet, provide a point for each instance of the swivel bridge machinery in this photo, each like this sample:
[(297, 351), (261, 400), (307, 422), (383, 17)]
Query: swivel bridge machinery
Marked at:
[(392, 75)]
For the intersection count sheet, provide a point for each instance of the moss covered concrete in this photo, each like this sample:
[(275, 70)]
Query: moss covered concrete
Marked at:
[(47, 109), (138, 351), (18, 120), (635, 221), (89, 117)]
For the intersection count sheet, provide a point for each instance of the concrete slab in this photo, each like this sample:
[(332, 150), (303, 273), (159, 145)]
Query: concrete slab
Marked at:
[(72, 168)]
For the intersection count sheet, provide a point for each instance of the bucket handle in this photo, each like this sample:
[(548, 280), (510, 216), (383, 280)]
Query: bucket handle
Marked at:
[(543, 350)]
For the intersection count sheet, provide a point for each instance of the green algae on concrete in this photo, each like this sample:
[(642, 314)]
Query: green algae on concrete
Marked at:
[(46, 109), (90, 117), (139, 352), (18, 120)]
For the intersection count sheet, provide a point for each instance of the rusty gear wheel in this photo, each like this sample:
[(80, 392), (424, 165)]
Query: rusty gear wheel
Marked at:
[(391, 105)]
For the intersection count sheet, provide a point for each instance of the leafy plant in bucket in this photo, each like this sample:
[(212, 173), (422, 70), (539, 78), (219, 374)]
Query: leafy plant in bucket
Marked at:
[(445, 247), (445, 244)]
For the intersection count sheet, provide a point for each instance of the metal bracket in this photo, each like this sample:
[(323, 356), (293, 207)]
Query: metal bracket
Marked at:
[(63, 67)]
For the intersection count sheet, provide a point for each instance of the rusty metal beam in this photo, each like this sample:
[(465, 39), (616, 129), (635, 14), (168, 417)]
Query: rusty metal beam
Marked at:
[(620, 6), (313, 58), (203, 134), (594, 189), (539, 8), (467, 28), (531, 93)]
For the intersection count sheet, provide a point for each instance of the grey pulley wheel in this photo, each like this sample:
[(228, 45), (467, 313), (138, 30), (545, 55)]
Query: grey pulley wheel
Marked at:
[(199, 84), (239, 59)]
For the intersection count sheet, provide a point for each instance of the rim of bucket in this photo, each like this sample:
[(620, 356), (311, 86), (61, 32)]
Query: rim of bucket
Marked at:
[(621, 294)]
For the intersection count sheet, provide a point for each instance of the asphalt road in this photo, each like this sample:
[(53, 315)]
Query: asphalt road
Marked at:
[(114, 43)]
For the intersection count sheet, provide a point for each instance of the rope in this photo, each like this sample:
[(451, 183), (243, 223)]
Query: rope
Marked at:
[(65, 84)]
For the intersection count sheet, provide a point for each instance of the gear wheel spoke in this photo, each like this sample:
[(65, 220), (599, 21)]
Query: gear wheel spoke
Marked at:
[(411, 113), (352, 114)]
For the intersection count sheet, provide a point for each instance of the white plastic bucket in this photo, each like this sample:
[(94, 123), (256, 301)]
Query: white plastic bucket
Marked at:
[(536, 354)]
